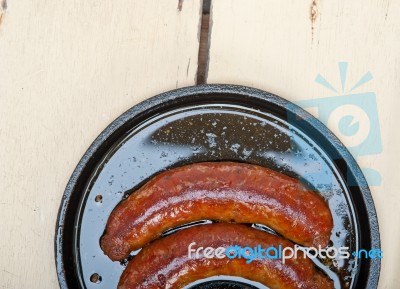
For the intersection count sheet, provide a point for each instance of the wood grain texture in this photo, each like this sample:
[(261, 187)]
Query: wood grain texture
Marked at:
[(67, 69), (280, 46)]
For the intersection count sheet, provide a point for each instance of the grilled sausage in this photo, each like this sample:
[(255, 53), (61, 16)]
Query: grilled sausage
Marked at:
[(165, 263), (220, 191)]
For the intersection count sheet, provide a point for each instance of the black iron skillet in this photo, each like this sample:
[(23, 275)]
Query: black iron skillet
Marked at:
[(211, 123)]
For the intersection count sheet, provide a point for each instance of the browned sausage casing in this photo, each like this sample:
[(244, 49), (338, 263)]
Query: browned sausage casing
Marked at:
[(221, 191), (165, 262)]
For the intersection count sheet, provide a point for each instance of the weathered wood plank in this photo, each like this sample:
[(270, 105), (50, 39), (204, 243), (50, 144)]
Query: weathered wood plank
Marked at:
[(281, 46), (67, 69)]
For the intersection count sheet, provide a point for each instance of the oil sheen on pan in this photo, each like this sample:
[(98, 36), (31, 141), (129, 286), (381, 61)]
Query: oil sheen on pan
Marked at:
[(212, 132)]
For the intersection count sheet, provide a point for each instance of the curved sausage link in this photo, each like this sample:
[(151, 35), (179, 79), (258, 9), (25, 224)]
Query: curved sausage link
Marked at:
[(220, 191), (165, 263)]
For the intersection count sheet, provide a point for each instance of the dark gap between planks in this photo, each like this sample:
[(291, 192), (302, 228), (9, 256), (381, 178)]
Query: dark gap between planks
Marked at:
[(202, 62)]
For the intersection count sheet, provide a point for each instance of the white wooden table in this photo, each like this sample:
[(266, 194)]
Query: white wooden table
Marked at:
[(68, 68)]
